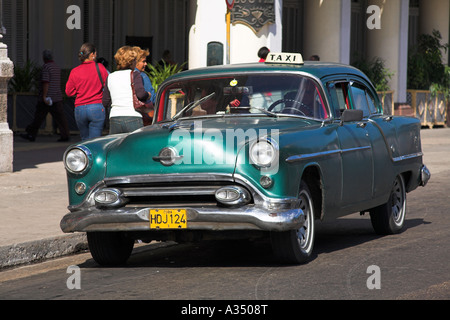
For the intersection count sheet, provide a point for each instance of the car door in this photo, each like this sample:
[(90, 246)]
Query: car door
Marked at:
[(355, 145), (384, 141)]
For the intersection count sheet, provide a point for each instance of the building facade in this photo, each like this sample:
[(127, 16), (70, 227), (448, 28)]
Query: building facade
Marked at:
[(195, 31)]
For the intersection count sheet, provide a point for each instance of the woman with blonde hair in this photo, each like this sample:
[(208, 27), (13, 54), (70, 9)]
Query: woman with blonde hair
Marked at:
[(119, 95)]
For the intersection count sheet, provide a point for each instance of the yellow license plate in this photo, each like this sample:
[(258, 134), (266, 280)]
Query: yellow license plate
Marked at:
[(168, 219)]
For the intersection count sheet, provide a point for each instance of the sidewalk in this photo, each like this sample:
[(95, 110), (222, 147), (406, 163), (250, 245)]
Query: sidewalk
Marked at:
[(33, 198)]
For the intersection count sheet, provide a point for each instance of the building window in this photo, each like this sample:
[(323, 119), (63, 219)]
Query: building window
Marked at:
[(292, 26), (358, 30)]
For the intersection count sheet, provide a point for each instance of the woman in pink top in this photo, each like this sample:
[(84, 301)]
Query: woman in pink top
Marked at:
[(86, 82)]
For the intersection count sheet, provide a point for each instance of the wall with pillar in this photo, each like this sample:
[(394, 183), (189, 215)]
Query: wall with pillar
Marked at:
[(210, 25), (6, 135), (390, 42), (206, 29), (434, 14), (50, 35), (327, 29), (245, 43)]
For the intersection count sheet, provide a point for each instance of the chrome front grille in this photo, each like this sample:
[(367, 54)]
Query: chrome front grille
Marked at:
[(170, 194), (169, 191)]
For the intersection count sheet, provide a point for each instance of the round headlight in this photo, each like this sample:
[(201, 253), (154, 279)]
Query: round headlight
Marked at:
[(76, 160), (263, 153)]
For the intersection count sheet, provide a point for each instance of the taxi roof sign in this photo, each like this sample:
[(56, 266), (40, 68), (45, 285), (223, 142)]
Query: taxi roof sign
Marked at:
[(284, 58)]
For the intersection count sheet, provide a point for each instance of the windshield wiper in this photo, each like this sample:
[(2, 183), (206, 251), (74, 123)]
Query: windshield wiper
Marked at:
[(192, 105), (269, 113)]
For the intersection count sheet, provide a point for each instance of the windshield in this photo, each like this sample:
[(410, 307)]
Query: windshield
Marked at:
[(270, 95)]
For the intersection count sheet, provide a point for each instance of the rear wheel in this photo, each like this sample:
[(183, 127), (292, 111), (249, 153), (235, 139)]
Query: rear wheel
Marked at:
[(389, 218), (110, 248), (296, 246)]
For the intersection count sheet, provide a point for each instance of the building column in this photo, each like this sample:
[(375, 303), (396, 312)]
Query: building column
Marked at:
[(6, 135), (326, 33), (390, 43), (434, 15)]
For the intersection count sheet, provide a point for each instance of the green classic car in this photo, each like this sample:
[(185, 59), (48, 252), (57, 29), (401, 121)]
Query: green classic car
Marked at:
[(247, 150)]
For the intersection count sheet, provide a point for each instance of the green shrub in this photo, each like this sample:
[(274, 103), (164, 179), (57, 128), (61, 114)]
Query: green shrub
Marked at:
[(375, 71), (26, 78), (425, 66), (158, 74)]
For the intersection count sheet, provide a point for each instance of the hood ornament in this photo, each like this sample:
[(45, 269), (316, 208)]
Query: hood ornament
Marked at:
[(168, 156)]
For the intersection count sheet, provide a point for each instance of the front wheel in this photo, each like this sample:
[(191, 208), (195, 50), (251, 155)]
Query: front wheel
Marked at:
[(296, 246), (389, 218), (110, 248)]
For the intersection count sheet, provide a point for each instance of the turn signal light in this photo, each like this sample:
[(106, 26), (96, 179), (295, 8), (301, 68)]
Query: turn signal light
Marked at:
[(233, 195)]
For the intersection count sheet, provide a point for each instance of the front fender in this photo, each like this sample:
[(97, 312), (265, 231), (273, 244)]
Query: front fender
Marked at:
[(96, 171)]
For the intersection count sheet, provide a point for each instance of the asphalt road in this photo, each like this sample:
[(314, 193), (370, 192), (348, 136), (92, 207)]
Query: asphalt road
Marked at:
[(350, 261)]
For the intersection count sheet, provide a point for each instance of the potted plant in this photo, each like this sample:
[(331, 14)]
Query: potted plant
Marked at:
[(25, 79), (22, 91), (158, 74), (428, 79)]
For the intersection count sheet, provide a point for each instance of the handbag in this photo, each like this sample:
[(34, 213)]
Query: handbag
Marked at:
[(146, 109)]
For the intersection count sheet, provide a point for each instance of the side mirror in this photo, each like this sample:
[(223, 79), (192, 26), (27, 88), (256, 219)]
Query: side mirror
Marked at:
[(351, 115)]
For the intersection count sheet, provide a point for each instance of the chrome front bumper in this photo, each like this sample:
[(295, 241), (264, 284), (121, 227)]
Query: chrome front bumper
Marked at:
[(129, 219), (265, 213)]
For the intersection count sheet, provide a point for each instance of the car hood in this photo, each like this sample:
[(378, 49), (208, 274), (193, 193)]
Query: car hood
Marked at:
[(202, 145)]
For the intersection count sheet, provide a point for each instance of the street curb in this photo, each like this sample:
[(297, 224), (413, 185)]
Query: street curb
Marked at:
[(35, 251)]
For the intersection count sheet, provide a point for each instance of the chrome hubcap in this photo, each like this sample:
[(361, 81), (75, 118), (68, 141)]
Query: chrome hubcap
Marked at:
[(304, 234), (398, 202)]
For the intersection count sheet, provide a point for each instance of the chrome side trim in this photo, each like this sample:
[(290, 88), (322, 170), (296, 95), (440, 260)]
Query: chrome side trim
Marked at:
[(301, 157), (408, 156), (356, 149), (309, 156)]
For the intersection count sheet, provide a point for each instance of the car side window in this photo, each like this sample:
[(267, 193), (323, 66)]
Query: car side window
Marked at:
[(339, 96), (364, 100), (359, 101), (370, 102), (374, 103)]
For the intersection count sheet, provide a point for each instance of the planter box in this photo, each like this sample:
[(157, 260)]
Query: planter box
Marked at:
[(21, 109), (431, 110)]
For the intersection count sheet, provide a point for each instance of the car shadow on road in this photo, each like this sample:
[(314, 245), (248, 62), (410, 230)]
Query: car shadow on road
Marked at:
[(330, 237), (346, 233)]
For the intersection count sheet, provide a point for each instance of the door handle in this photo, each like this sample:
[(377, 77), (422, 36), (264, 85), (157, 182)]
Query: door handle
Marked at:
[(362, 125)]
